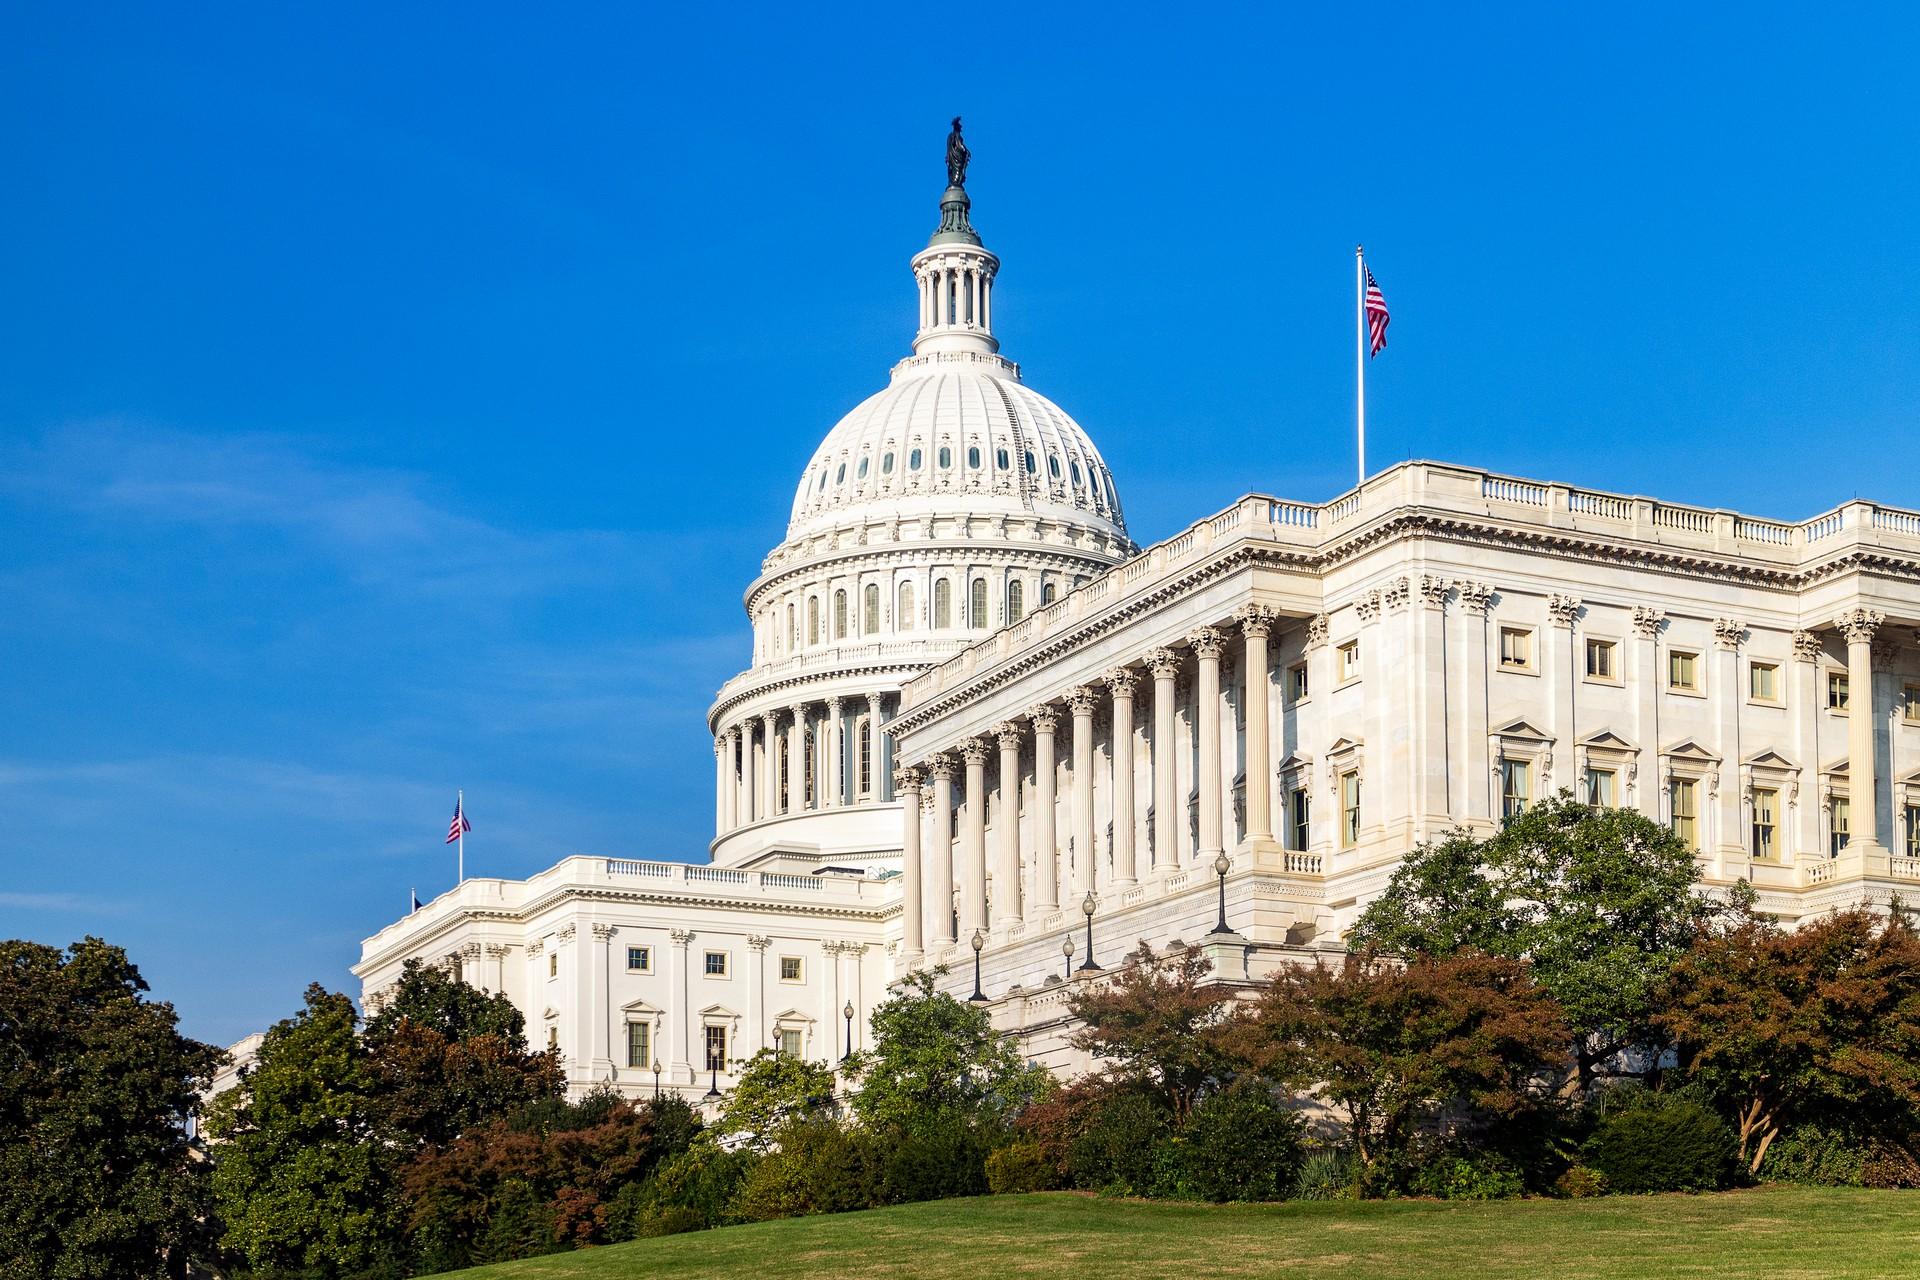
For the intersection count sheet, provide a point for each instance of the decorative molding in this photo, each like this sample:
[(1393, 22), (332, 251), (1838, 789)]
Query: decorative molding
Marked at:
[(1207, 643), (1728, 633), (1317, 627), (759, 942), (1563, 609), (1806, 646), (1045, 718), (1122, 681), (940, 765), (1647, 621), (1008, 734), (1398, 592), (681, 937), (908, 777), (1433, 591), (602, 932), (1368, 606), (1164, 663), (1476, 597), (1083, 700), (564, 933), (975, 752), (1255, 619), (1859, 625)]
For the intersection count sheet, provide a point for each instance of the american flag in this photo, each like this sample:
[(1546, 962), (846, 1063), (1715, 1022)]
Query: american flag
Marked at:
[(1376, 309), (459, 826)]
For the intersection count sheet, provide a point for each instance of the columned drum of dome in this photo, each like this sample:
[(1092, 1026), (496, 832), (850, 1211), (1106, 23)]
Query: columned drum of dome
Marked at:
[(941, 508)]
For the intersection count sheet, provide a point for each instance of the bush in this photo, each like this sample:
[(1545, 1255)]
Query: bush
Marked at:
[(1019, 1167), (1816, 1157), (1055, 1122), (937, 1160), (1483, 1175), (818, 1168), (703, 1179), (1889, 1168), (1326, 1174), (1242, 1145), (1661, 1142), (1118, 1143), (1580, 1182)]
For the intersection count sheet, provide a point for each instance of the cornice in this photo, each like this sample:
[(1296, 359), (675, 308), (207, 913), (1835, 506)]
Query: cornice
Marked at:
[(904, 554), (898, 672)]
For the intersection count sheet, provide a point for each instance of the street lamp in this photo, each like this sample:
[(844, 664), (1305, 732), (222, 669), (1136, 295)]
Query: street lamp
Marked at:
[(1066, 949), (978, 996), (713, 1090), (848, 1011), (1221, 865), (656, 1077), (1086, 908)]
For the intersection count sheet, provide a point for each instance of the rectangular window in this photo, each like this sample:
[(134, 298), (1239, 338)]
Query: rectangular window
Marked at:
[(865, 749), (1683, 671), (1516, 779), (1910, 703), (1913, 831), (1766, 816), (1516, 648), (790, 1042), (553, 964), (639, 959), (1685, 822), (790, 968), (640, 1044), (1842, 826), (1349, 808), (1297, 682), (1603, 660), (716, 1048), (1836, 691), (1300, 817), (1348, 657), (1600, 788), (716, 964), (1763, 682)]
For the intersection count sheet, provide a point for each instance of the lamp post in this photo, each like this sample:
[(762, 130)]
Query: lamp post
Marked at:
[(1221, 865), (1087, 905), (978, 996), (848, 1011), (1066, 949), (713, 1090), (656, 1077)]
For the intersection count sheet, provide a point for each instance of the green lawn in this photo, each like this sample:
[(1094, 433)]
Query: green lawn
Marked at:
[(1778, 1233)]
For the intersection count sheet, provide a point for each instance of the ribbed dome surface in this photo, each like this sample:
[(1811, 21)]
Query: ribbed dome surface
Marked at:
[(956, 434)]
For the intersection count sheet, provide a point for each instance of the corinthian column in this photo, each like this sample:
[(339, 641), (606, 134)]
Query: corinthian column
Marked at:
[(797, 761), (770, 767), (874, 743), (1862, 770), (940, 881), (1081, 700), (830, 793), (1006, 863), (1207, 644), (912, 907), (1122, 681), (1256, 620), (1165, 665), (1046, 837), (973, 840)]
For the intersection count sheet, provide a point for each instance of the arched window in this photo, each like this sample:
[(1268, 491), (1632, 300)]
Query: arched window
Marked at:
[(913, 461), (839, 615), (977, 605), (813, 619), (942, 604), (809, 748), (946, 458), (1046, 593), (870, 609), (903, 608), (866, 755), (840, 476), (1032, 466), (823, 479), (781, 742), (1053, 465), (862, 472), (1001, 458), (1016, 601), (886, 465), (793, 626), (1075, 466), (973, 457)]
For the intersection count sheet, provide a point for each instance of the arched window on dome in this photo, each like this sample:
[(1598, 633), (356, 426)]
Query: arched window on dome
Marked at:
[(1053, 465), (870, 609), (903, 608), (1001, 458), (942, 604), (1033, 466), (840, 615), (886, 465), (914, 460), (861, 474), (946, 458), (823, 480), (780, 742), (793, 626), (808, 748), (840, 476), (973, 458), (813, 619), (865, 771), (1074, 465), (977, 605), (1016, 601), (1046, 593)]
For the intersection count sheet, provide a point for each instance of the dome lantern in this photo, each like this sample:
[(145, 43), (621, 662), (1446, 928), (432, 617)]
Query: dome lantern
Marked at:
[(955, 272)]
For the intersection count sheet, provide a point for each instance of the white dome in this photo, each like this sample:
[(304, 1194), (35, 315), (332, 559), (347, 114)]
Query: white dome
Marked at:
[(956, 433)]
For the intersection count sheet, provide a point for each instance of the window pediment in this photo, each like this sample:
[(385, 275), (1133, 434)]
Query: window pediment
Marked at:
[(1690, 752), (641, 1007), (1521, 730)]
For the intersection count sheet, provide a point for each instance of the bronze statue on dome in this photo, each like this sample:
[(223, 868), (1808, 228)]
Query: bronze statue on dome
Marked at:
[(957, 157)]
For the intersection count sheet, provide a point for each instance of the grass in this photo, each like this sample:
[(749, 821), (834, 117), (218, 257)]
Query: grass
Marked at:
[(1778, 1232)]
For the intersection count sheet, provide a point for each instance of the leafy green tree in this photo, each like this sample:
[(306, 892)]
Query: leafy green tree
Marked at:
[(1158, 1023), (430, 997), (1603, 902), (933, 1058), (299, 1181), (98, 1180), (773, 1090), (1820, 1025)]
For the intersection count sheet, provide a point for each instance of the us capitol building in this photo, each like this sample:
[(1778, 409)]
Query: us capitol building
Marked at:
[(978, 719)]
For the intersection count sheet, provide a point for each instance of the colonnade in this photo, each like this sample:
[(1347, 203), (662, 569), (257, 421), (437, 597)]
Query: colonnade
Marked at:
[(956, 295), (931, 871), (748, 755)]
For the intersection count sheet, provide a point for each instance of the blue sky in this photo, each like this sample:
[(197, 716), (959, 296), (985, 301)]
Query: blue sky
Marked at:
[(398, 398)]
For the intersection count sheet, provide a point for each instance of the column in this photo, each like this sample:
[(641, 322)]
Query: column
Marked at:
[(749, 803), (720, 785), (1804, 699), (1859, 625), (680, 1005), (769, 765), (940, 875), (1256, 621), (1726, 694), (831, 795), (1165, 666), (973, 840), (797, 761), (1121, 682), (1006, 862), (1645, 676), (1207, 644), (1563, 611), (1433, 806), (1046, 839), (757, 996), (874, 743), (599, 963), (730, 779), (1081, 701), (912, 898)]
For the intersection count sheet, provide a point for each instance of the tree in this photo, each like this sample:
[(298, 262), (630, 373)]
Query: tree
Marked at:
[(430, 997), (773, 1090), (1817, 1026), (1158, 1023), (1601, 901), (298, 1179), (934, 1058), (1392, 1046), (98, 1179)]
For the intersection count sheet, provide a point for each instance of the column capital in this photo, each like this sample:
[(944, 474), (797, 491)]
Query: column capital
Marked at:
[(1008, 735), (1433, 591), (498, 949), (908, 777), (770, 718), (940, 765), (1045, 718), (1859, 624), (1398, 592), (681, 937), (1368, 606), (1563, 609), (1254, 619), (1729, 632), (1122, 681), (564, 933), (604, 931), (1164, 663), (1317, 628), (1806, 646), (798, 711), (1475, 597), (1082, 700), (758, 943), (873, 703), (1647, 620), (833, 705), (1207, 642), (974, 751)]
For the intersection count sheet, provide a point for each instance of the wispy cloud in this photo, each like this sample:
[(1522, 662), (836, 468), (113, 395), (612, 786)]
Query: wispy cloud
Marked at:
[(73, 902)]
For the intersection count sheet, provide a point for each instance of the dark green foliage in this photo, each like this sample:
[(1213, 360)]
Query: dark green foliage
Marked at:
[(1815, 1157), (1019, 1167), (1578, 1182), (701, 1181), (1242, 1144), (1482, 1175), (770, 1092), (428, 996), (935, 1161), (1326, 1174), (1118, 1144), (817, 1167), (97, 1179), (1649, 1141)]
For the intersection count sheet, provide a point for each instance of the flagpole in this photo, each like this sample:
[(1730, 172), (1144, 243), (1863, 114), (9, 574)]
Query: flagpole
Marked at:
[(460, 807), (1360, 354)]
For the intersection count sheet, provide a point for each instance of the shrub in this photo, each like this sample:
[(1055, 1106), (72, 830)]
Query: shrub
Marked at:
[(1053, 1123), (1117, 1144), (1242, 1145), (940, 1158), (1814, 1156), (1483, 1175), (1579, 1182), (1021, 1166), (702, 1179), (1889, 1167), (819, 1168), (1326, 1174), (1661, 1142)]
